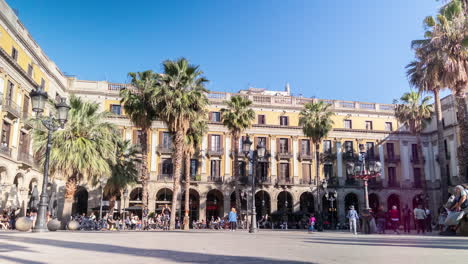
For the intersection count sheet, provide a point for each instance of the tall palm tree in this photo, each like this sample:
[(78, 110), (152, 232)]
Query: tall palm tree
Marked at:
[(193, 141), (137, 105), (124, 171), (316, 121), (415, 112), (178, 97), (448, 40), (81, 151), (237, 117)]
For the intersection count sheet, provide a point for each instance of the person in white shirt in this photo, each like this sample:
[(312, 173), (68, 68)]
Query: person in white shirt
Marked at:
[(420, 217)]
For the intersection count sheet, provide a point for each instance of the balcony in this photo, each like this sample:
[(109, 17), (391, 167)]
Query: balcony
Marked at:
[(215, 179), (327, 157), (351, 182), (305, 156), (333, 182), (243, 179), (306, 182), (285, 181), (164, 150), (5, 150), (393, 184), (215, 152), (165, 178), (26, 159), (349, 156), (263, 180), (392, 159), (11, 108), (374, 184), (416, 160), (284, 155)]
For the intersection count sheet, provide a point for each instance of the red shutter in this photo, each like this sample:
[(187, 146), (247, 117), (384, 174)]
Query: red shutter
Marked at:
[(209, 142), (210, 116)]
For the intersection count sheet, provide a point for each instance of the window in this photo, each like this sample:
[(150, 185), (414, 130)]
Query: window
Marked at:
[(14, 53), (446, 149), (306, 173), (388, 126), (370, 149), (262, 170), (6, 134), (193, 167), (348, 124), (369, 125), (242, 168), (215, 143), (30, 70), (417, 177), (414, 151), (390, 150), (327, 147), (349, 146), (283, 145), (392, 181), (215, 168), (10, 90), (305, 147), (166, 167), (261, 119), (443, 122), (328, 171), (24, 143), (136, 137), (116, 109), (166, 140), (261, 141), (42, 84), (284, 171), (215, 116), (283, 120), (25, 107)]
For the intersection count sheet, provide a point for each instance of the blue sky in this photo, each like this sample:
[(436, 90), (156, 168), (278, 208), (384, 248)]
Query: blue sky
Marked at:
[(347, 50)]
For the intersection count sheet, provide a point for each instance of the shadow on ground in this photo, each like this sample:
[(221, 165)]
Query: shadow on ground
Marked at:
[(170, 255), (393, 242)]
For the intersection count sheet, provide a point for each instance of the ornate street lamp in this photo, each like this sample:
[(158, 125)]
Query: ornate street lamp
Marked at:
[(331, 197), (102, 182), (364, 169), (257, 154), (38, 101)]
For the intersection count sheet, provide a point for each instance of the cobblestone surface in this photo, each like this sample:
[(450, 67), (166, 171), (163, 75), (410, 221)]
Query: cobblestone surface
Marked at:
[(228, 247)]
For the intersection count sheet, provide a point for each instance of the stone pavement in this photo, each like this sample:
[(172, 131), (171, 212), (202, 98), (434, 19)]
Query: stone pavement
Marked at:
[(228, 247)]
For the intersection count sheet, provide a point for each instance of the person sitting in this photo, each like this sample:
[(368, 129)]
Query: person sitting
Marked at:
[(456, 205)]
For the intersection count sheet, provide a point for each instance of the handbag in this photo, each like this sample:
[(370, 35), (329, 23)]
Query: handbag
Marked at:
[(453, 218)]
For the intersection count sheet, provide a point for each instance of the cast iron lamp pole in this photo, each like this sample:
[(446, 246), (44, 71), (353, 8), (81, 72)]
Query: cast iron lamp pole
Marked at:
[(364, 171), (38, 99), (102, 182), (257, 154)]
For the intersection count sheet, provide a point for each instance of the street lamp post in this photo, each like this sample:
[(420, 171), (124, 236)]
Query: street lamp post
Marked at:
[(364, 169), (38, 99), (331, 197), (102, 182), (257, 154), (125, 194)]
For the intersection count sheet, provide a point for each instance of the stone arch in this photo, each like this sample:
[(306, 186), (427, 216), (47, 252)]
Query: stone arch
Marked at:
[(80, 201), (243, 198), (393, 199), (351, 199), (262, 203), (194, 205), (374, 202), (214, 204), (285, 202), (307, 202), (19, 181)]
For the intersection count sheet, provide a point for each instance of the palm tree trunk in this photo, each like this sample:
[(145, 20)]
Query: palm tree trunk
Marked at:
[(144, 166), (70, 189), (440, 146), (178, 154), (235, 173), (187, 192), (112, 200), (462, 116), (317, 180)]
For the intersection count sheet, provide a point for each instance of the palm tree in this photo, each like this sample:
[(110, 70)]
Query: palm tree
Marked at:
[(316, 121), (414, 111), (193, 141), (178, 97), (81, 151), (124, 171), (137, 105), (237, 117), (448, 40)]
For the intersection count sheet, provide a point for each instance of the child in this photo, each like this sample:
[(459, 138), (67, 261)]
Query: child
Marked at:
[(311, 223)]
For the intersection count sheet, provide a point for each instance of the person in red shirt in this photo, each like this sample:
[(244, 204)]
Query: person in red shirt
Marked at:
[(395, 219)]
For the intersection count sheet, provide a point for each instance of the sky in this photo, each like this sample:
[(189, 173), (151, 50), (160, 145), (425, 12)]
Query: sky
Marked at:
[(336, 49)]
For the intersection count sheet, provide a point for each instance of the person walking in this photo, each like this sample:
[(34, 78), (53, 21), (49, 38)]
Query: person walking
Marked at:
[(428, 219), (232, 217), (311, 223), (406, 213), (395, 218), (381, 220), (353, 217), (420, 217)]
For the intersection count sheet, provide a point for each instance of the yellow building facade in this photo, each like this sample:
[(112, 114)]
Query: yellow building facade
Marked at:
[(287, 181)]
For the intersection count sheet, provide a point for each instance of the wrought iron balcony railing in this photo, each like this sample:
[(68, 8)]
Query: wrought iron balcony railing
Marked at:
[(215, 179), (215, 152), (285, 181), (5, 150), (12, 108), (305, 156), (392, 159), (26, 158), (164, 149), (284, 155), (165, 177)]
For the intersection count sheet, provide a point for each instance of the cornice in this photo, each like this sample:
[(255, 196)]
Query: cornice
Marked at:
[(17, 67)]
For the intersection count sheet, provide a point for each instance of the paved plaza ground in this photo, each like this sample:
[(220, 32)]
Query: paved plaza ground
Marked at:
[(228, 247)]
